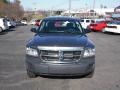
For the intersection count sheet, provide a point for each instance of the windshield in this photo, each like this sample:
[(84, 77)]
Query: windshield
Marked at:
[(114, 22), (60, 26), (100, 21)]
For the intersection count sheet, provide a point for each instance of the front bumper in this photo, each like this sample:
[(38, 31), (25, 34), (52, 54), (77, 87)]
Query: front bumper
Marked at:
[(111, 30), (83, 67)]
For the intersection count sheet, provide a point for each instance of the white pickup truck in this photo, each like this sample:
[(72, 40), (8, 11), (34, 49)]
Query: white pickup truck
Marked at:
[(85, 22), (3, 24)]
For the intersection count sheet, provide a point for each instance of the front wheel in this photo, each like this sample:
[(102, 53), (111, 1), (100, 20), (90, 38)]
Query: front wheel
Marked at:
[(31, 74)]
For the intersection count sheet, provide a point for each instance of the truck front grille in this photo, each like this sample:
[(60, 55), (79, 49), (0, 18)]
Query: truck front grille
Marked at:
[(48, 55)]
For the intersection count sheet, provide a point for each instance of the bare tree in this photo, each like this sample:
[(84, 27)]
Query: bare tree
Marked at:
[(11, 9)]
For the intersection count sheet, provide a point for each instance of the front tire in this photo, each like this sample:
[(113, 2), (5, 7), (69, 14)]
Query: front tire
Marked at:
[(31, 74)]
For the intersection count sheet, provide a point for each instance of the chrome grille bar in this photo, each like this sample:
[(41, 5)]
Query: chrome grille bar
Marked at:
[(60, 53), (60, 48)]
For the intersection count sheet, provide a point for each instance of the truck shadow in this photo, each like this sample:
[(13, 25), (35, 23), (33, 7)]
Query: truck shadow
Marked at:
[(65, 77)]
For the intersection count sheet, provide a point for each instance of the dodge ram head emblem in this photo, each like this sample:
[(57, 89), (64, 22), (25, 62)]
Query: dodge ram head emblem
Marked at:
[(60, 55)]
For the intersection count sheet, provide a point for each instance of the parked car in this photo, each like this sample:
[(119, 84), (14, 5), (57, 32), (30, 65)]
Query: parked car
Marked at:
[(60, 47), (97, 26), (8, 23), (18, 23), (113, 27), (3, 24), (86, 22), (11, 23), (32, 22), (24, 22)]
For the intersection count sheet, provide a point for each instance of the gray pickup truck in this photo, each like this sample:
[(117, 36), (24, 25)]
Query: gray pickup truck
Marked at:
[(60, 47)]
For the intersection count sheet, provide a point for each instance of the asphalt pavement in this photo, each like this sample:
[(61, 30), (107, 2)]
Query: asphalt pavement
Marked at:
[(13, 73)]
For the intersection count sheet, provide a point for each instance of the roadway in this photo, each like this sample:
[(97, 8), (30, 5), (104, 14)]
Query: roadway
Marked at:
[(13, 73)]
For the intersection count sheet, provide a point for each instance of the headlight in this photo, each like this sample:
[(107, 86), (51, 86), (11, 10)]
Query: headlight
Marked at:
[(89, 52), (31, 51)]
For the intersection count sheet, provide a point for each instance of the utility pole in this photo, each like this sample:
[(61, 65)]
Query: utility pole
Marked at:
[(94, 8), (52, 12), (69, 7)]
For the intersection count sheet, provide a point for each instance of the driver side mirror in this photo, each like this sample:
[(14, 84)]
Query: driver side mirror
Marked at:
[(33, 30)]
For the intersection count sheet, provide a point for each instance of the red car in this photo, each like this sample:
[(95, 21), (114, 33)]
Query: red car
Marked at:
[(37, 22), (98, 26)]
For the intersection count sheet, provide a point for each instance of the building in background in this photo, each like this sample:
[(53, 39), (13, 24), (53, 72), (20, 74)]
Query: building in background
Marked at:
[(88, 13), (79, 13)]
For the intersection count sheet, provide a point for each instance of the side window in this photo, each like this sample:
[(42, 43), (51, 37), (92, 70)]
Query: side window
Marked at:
[(87, 21), (92, 21), (82, 20), (42, 26)]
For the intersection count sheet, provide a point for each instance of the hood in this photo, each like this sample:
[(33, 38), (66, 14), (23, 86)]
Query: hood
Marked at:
[(59, 40)]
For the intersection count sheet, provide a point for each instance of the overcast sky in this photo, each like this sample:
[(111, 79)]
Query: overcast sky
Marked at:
[(63, 4)]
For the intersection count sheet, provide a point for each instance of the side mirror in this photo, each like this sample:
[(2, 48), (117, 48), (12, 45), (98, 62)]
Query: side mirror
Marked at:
[(87, 31), (33, 30)]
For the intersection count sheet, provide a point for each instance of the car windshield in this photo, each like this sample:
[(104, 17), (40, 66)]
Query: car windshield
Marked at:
[(60, 26), (99, 21)]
